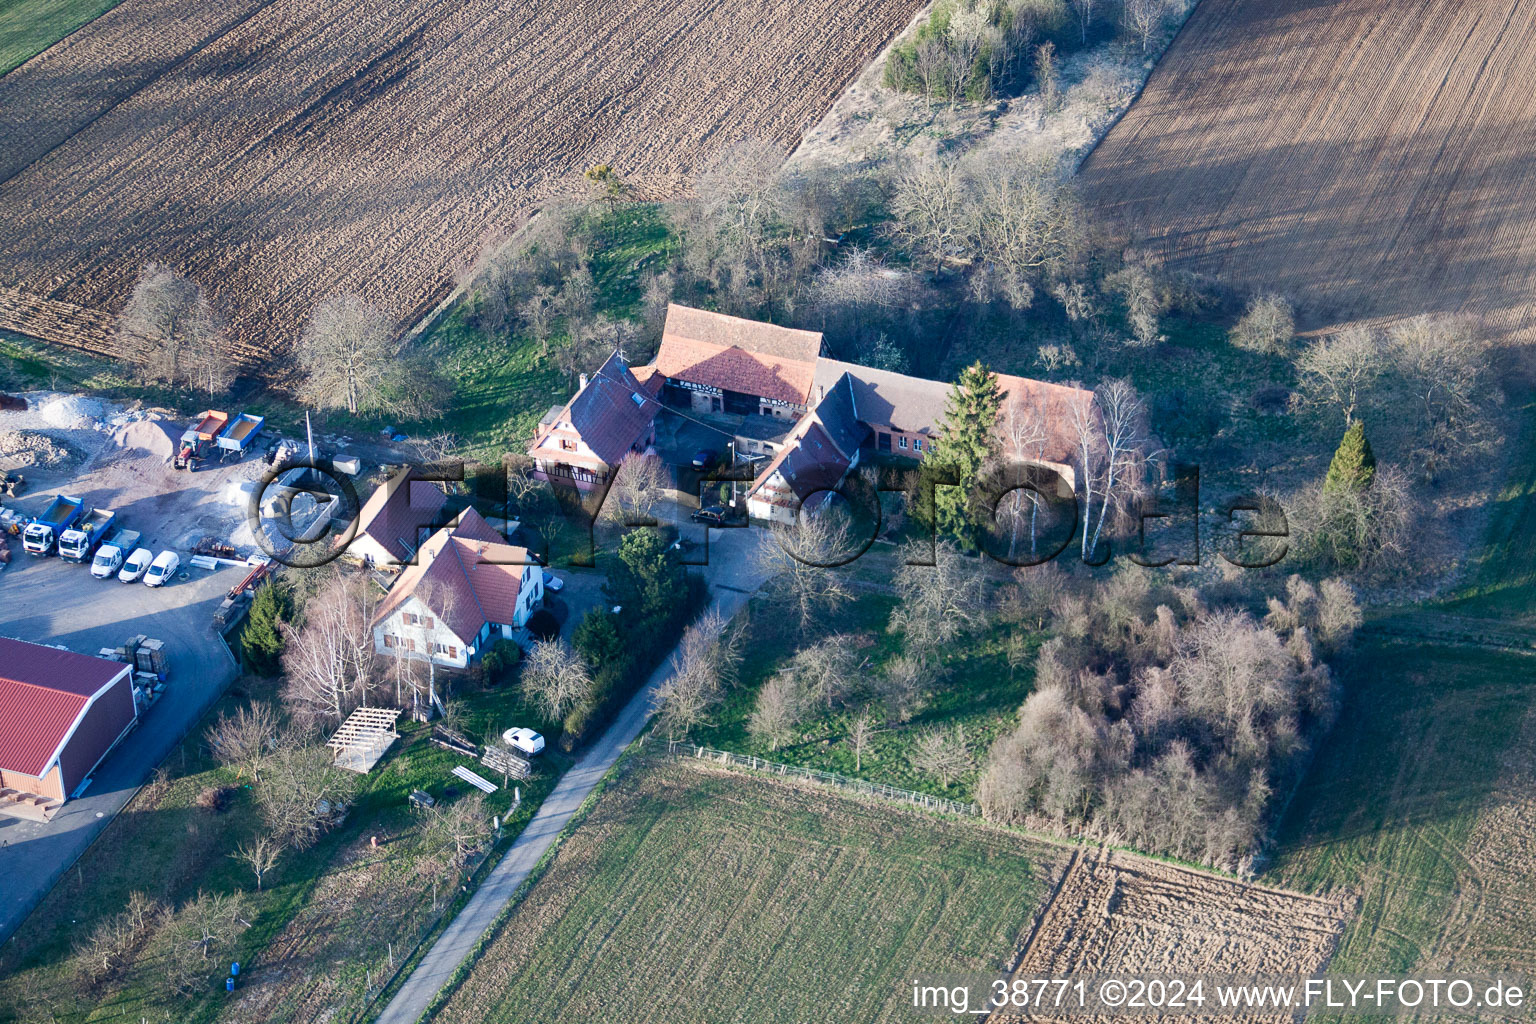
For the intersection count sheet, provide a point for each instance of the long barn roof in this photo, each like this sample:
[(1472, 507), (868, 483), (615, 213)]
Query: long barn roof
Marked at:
[(43, 693)]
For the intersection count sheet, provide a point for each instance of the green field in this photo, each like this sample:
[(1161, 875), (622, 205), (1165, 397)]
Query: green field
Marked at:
[(975, 690), (1396, 792), (696, 895), (28, 27), (1410, 801)]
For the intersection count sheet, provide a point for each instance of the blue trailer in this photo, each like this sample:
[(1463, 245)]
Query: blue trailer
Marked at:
[(237, 437)]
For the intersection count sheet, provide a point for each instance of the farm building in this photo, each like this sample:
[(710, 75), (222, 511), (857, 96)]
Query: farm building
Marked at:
[(467, 589), (395, 518), (710, 362), (60, 714), (861, 411), (610, 416), (820, 451)]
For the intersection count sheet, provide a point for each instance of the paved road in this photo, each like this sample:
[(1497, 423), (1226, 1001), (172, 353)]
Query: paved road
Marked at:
[(732, 579), (45, 600)]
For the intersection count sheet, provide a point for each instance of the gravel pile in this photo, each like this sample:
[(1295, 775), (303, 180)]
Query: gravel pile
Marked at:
[(29, 449), (72, 412)]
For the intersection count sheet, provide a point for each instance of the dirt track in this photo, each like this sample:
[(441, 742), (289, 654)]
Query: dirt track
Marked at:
[(284, 150), (1368, 157)]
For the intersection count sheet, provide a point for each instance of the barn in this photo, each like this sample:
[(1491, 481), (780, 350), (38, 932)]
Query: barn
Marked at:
[(60, 714)]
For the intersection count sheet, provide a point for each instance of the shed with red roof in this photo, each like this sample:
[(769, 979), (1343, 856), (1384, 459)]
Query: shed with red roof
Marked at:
[(60, 715)]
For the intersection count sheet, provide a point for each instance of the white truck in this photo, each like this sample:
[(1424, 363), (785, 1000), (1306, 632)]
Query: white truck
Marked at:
[(111, 555), (80, 541)]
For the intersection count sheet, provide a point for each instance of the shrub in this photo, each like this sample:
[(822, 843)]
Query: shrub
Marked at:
[(1268, 327)]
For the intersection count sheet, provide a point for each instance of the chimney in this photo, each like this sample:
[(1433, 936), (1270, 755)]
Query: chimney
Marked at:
[(583, 383)]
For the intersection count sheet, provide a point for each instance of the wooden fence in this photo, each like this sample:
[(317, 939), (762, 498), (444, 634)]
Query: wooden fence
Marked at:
[(682, 748)]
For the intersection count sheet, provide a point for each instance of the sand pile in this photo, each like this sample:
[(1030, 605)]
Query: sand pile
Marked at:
[(24, 448), (72, 412), (152, 436)]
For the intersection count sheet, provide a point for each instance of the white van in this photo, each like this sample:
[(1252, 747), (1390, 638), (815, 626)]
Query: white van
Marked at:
[(162, 569)]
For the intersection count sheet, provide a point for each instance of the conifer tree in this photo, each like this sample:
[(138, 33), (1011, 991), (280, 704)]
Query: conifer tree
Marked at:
[(1354, 464), (967, 440), (261, 639)]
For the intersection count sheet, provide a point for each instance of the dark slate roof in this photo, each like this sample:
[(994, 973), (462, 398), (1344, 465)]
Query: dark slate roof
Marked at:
[(838, 415), (612, 411)]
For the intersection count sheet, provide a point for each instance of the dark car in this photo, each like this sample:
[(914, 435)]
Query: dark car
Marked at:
[(704, 459), (710, 514)]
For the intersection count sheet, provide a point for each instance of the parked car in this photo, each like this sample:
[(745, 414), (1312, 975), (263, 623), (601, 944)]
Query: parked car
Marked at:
[(525, 741), (162, 569), (552, 583), (711, 514), (138, 563), (705, 459)]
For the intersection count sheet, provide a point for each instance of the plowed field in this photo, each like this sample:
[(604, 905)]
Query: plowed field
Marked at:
[(1122, 916), (282, 150), (1368, 157)]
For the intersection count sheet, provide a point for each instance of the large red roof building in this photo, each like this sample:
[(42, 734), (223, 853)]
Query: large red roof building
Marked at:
[(60, 714)]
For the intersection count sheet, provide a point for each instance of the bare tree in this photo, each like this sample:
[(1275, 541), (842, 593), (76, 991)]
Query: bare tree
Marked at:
[(300, 776), (825, 670), (1023, 220), (1440, 363), (1144, 18), (943, 755), (1144, 303), (637, 489), (1268, 326), (736, 187), (708, 660), (555, 678), (901, 685), (244, 740), (1112, 445), (537, 312), (780, 705), (260, 855), (930, 203), (459, 827), (1337, 371), (1048, 76), (941, 601), (860, 731), (329, 657), (1022, 437), (1083, 9), (171, 333), (803, 559), (349, 357)]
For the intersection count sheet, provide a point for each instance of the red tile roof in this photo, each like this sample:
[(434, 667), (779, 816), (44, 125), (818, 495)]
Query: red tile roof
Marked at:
[(481, 578), (43, 692), (395, 512), (733, 354)]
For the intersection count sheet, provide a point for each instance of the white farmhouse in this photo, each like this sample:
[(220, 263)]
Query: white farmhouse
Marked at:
[(467, 589)]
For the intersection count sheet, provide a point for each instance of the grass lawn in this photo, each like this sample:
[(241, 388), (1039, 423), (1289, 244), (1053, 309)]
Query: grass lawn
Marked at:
[(1418, 762), (502, 385), (321, 928), (1396, 790), (28, 27), (977, 691), (696, 895)]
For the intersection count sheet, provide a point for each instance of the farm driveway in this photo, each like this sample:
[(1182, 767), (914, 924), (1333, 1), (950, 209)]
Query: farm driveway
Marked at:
[(732, 580), (45, 600)]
